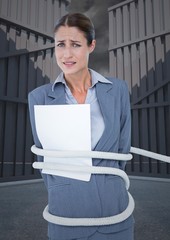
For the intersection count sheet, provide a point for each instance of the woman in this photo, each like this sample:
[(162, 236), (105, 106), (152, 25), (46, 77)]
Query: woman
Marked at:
[(103, 195)]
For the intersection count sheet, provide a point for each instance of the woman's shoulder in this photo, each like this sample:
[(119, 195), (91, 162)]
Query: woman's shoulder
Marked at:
[(39, 94), (118, 83), (42, 89)]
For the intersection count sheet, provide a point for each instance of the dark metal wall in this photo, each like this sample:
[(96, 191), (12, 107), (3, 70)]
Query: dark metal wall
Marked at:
[(26, 61), (139, 34)]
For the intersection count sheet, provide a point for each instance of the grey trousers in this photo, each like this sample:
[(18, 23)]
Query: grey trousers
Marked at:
[(127, 234)]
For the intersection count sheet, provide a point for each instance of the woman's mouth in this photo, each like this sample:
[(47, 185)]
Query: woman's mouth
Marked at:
[(69, 64)]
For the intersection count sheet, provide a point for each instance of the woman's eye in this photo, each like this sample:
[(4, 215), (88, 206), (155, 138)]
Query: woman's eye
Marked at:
[(76, 45), (60, 45)]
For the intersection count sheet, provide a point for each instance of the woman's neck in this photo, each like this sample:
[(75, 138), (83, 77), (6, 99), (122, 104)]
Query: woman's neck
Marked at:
[(80, 82)]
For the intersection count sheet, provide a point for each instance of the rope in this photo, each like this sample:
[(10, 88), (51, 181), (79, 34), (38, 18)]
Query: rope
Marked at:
[(91, 221), (82, 154), (150, 154), (100, 155), (86, 169), (94, 170)]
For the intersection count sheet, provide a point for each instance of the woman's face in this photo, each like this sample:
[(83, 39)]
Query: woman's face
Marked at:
[(71, 50)]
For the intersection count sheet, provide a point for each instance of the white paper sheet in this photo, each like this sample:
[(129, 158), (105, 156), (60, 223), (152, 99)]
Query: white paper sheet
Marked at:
[(65, 127)]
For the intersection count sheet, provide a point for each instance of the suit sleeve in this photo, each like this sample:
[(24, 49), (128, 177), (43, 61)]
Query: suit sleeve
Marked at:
[(31, 103), (125, 124)]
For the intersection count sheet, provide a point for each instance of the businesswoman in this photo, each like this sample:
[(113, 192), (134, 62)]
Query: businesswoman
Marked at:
[(103, 195)]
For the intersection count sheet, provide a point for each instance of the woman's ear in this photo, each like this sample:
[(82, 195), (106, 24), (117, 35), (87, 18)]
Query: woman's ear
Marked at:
[(92, 46)]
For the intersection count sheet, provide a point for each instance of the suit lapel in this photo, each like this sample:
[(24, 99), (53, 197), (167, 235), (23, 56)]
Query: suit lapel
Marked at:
[(106, 102), (57, 96)]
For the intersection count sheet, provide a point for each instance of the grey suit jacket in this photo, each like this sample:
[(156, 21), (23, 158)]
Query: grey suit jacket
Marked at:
[(104, 195)]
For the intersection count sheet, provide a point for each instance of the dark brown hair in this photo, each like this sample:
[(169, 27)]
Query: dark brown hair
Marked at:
[(80, 21)]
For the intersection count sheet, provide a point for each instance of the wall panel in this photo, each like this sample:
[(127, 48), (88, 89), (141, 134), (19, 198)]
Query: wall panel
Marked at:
[(144, 39), (26, 61)]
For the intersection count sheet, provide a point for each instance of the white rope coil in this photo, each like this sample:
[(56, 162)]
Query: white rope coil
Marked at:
[(82, 154), (100, 155), (150, 154), (86, 169), (94, 170), (91, 221)]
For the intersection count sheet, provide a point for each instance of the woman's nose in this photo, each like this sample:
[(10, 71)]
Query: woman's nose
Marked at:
[(67, 52)]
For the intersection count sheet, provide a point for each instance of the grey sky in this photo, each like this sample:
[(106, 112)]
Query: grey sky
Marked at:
[(97, 10)]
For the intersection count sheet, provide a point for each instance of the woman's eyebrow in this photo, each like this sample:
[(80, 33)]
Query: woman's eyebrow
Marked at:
[(73, 41), (60, 40)]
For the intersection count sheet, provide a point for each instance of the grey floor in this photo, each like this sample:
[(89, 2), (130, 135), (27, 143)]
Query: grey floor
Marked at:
[(21, 207)]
